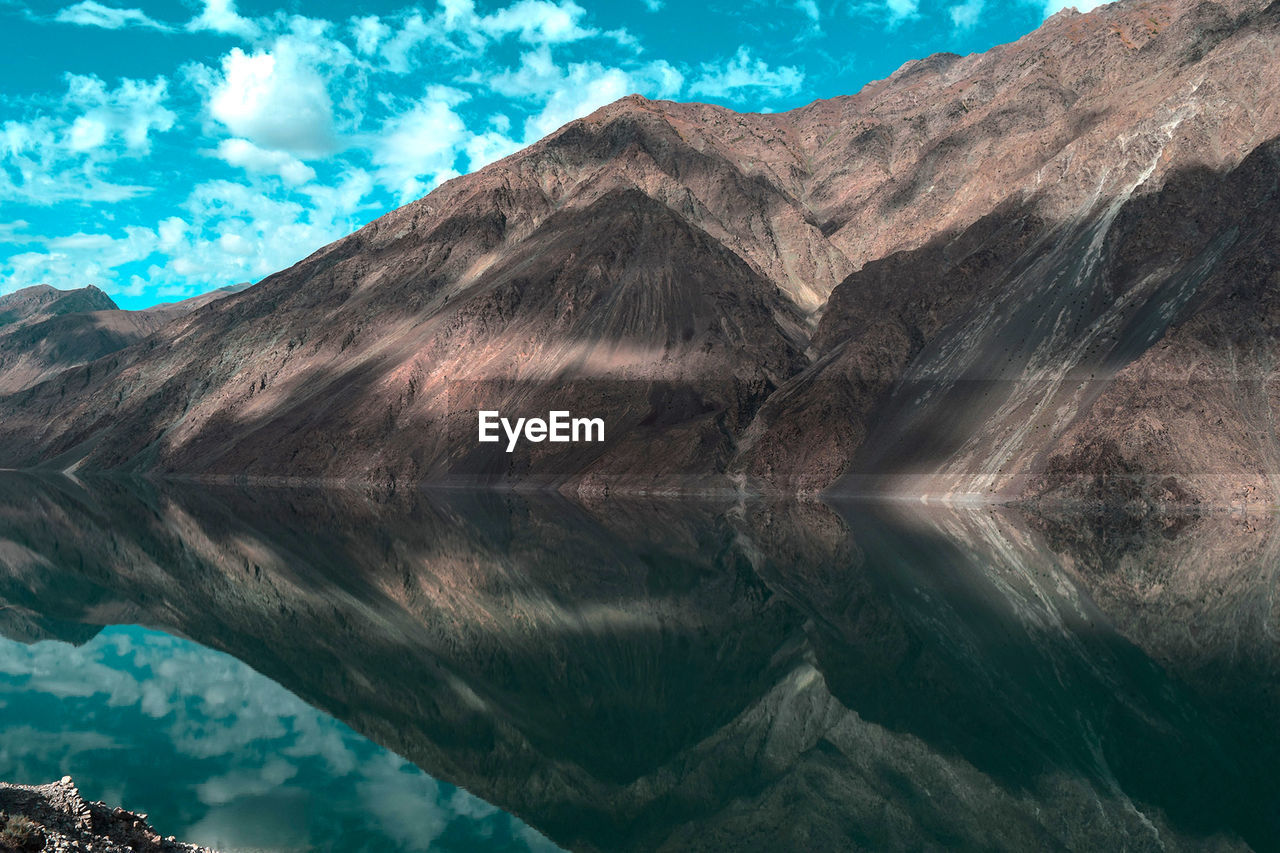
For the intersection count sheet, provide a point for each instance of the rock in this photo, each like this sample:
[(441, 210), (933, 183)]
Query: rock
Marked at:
[(67, 822)]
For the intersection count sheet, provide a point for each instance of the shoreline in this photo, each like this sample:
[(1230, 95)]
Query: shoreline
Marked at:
[(55, 817)]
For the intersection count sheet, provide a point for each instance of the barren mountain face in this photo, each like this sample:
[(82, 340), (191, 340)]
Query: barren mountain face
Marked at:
[(44, 331), (1043, 270)]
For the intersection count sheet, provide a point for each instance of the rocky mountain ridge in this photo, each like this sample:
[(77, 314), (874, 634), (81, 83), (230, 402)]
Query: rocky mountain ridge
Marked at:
[(44, 331), (1019, 273)]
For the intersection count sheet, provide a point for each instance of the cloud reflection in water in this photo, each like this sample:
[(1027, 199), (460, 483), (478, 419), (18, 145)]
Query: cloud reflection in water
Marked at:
[(219, 754)]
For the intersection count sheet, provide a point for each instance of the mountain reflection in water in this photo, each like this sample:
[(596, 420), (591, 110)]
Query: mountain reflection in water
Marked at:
[(681, 675)]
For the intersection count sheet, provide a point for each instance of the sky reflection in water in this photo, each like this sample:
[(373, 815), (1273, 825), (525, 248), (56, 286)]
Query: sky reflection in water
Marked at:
[(218, 754)]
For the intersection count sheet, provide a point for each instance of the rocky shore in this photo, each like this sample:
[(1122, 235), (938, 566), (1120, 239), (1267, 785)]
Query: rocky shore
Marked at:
[(55, 817)]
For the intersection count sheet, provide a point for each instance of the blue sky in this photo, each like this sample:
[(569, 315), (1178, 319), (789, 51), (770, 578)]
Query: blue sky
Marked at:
[(158, 150)]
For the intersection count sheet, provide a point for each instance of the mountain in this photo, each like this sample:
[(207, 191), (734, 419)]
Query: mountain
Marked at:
[(42, 301), (1042, 271), (44, 331), (191, 303)]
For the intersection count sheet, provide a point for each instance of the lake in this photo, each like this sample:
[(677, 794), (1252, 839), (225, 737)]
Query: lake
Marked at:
[(310, 669)]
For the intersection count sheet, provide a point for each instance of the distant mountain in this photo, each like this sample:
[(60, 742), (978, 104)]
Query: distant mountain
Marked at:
[(44, 331), (1048, 269), (191, 303), (43, 301)]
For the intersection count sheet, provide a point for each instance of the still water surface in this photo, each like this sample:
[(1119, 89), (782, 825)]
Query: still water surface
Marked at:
[(220, 755), (639, 676)]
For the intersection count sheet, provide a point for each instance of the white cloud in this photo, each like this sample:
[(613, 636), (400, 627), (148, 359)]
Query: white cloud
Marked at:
[(65, 152), (494, 144), (369, 32), (901, 10), (92, 242), (75, 260), (225, 738), (231, 232), (275, 99), (457, 13), (588, 86), (743, 76), (129, 113), (539, 22), (398, 49), (246, 782), (1052, 7), (91, 14), (16, 232), (429, 141), (582, 87), (170, 232), (537, 74), (964, 16), (462, 33), (40, 185), (335, 202), (242, 232), (65, 672), (220, 16), (407, 804), (659, 79), (251, 158), (86, 134), (654, 5), (890, 12), (418, 148), (317, 132)]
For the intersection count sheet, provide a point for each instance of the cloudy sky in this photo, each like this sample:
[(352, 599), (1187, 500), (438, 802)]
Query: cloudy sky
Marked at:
[(158, 150)]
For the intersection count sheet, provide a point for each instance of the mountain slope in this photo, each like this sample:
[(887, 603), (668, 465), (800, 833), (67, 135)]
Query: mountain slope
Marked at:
[(964, 366), (44, 331), (926, 287)]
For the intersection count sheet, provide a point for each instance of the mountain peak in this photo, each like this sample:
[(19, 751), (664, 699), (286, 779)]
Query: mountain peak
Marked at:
[(43, 300)]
